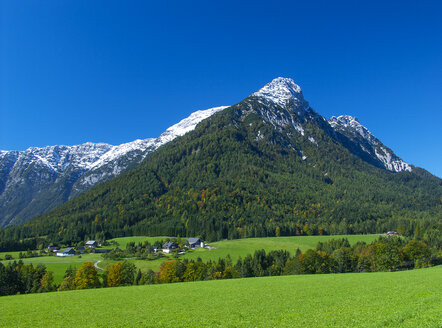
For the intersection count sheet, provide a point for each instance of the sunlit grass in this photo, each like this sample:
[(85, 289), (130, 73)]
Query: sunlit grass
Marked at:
[(383, 299)]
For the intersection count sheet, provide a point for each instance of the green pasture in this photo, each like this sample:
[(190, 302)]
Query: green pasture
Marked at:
[(15, 255), (382, 299), (242, 247), (123, 241)]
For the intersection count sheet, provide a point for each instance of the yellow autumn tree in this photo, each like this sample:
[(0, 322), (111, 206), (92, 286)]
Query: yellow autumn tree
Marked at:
[(114, 276), (86, 277)]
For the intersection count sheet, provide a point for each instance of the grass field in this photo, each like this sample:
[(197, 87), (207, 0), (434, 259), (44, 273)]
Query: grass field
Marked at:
[(236, 248), (383, 299), (242, 247), (122, 241)]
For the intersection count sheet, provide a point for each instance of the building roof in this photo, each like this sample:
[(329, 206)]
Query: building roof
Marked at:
[(193, 240), (68, 250), (169, 244), (91, 242)]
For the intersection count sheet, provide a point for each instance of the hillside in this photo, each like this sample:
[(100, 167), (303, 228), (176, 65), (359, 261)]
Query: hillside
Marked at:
[(267, 166), (392, 299)]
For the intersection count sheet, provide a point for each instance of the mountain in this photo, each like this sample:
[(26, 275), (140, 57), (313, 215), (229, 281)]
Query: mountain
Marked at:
[(269, 165), (39, 179)]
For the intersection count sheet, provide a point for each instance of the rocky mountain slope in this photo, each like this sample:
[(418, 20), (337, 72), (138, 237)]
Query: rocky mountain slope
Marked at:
[(367, 143)]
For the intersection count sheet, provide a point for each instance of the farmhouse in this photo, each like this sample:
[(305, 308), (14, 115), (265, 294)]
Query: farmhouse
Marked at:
[(195, 243), (91, 244), (67, 252), (169, 246)]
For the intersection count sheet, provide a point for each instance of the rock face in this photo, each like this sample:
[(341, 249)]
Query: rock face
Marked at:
[(37, 180), (368, 143)]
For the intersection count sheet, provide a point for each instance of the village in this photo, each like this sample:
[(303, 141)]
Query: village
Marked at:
[(93, 246)]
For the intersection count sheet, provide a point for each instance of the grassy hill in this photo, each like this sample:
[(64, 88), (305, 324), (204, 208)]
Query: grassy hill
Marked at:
[(384, 299)]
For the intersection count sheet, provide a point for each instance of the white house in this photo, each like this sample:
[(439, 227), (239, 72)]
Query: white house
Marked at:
[(67, 252), (169, 247)]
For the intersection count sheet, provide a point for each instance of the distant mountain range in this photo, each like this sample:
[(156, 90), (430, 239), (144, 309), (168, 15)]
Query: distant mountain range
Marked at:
[(266, 166), (37, 180)]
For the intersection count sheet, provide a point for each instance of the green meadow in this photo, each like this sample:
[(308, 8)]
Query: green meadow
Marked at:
[(242, 247), (220, 249), (382, 299)]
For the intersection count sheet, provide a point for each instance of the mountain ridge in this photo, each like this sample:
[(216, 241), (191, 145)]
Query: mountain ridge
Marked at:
[(251, 170), (280, 103)]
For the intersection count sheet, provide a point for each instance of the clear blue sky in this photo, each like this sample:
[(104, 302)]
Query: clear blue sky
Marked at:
[(113, 71)]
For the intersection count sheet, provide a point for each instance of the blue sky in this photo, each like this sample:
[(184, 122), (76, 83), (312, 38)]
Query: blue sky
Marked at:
[(113, 71)]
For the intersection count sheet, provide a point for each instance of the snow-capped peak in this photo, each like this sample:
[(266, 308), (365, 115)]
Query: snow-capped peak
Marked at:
[(280, 91)]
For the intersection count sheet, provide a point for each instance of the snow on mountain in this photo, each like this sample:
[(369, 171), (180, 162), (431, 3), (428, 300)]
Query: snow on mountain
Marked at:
[(187, 125), (282, 104), (352, 123), (281, 91), (28, 177), (352, 128), (121, 150), (58, 158), (151, 144)]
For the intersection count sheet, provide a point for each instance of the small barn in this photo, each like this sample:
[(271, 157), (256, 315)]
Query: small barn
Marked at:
[(195, 242), (67, 252), (169, 246), (91, 244)]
